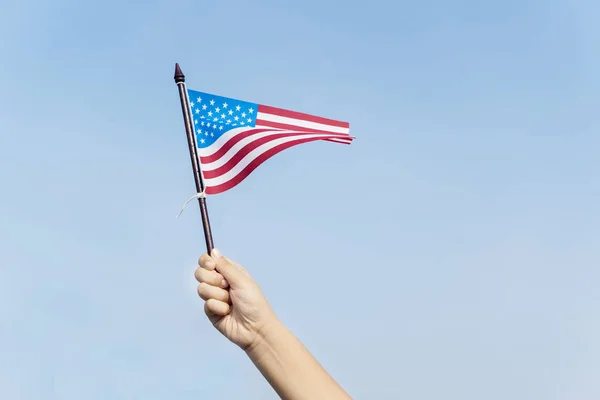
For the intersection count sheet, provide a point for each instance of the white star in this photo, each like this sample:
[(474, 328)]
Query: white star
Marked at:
[(195, 122), (204, 106), (202, 141), (215, 119), (221, 128), (225, 105), (222, 115), (228, 121), (218, 109), (212, 134), (199, 99), (230, 112), (233, 124), (237, 108), (206, 133), (197, 111), (242, 123), (244, 115), (249, 120), (192, 104), (202, 123), (251, 110), (210, 113), (212, 102), (199, 131), (208, 125), (236, 118)]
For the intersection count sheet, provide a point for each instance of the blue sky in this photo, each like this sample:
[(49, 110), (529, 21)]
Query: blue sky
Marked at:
[(451, 252)]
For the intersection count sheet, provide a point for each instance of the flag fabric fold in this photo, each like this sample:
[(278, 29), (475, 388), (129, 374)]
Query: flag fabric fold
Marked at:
[(234, 137)]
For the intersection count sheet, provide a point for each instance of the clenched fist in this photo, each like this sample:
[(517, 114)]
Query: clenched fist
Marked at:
[(233, 301)]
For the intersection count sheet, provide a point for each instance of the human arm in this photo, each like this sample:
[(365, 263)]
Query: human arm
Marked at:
[(290, 368), (237, 307)]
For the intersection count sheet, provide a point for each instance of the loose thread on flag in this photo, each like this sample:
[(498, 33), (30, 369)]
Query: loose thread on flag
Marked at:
[(197, 196)]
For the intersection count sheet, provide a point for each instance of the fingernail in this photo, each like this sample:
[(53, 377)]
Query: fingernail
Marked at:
[(216, 254), (224, 284), (210, 265)]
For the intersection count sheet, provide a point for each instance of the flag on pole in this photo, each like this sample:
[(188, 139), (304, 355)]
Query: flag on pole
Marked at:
[(234, 137)]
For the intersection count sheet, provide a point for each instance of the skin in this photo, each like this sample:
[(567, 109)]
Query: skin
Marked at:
[(237, 308)]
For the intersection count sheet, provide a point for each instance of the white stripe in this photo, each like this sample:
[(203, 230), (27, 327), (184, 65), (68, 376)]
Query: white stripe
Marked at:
[(232, 173), (239, 145), (302, 123)]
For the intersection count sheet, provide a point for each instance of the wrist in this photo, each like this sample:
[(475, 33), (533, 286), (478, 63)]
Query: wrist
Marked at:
[(265, 338)]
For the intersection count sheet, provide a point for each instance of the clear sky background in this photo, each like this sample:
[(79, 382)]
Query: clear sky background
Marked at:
[(451, 252)]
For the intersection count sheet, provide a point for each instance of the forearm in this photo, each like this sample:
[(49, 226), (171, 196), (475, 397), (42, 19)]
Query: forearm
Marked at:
[(290, 368)]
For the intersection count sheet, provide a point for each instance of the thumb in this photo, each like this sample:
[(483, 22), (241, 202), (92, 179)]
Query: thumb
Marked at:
[(228, 269)]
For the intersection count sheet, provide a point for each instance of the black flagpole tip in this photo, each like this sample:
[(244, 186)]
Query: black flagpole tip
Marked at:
[(179, 76)]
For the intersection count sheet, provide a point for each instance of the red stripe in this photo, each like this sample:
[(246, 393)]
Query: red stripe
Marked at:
[(342, 141), (229, 144), (255, 164), (279, 125), (305, 117), (244, 151)]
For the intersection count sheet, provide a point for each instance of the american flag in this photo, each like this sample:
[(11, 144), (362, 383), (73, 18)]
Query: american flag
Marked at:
[(234, 137)]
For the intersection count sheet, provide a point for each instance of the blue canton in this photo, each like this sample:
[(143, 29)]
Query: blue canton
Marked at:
[(214, 115)]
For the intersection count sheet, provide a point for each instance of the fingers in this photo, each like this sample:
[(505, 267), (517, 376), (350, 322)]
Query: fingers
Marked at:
[(217, 270), (206, 272), (207, 262), (211, 277), (213, 285), (216, 307), (235, 277), (208, 292)]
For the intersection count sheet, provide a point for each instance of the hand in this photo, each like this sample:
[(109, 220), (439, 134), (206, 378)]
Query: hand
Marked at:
[(233, 301), (237, 308)]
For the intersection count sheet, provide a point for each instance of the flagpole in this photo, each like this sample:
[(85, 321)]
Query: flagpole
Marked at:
[(189, 129)]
